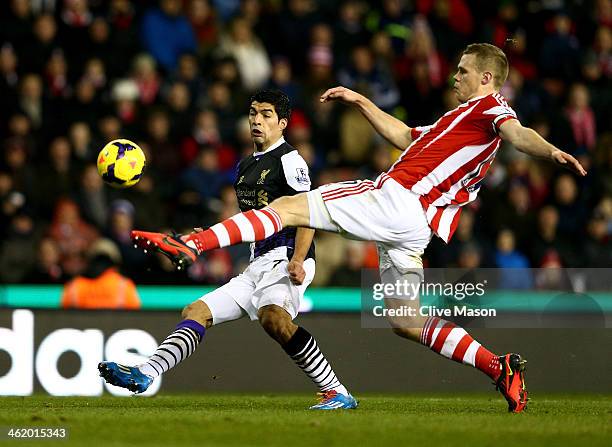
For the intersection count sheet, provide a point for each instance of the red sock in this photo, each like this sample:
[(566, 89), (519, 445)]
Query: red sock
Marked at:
[(250, 226), (455, 343)]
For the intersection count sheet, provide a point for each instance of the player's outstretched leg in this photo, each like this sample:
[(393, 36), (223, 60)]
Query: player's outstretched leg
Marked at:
[(301, 346), (454, 342), (177, 346), (250, 226)]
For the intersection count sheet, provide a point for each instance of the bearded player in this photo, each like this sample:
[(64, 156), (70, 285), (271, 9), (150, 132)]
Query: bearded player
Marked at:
[(440, 170), (270, 289)]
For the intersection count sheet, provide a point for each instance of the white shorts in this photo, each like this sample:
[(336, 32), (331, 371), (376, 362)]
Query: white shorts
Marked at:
[(265, 281), (390, 215)]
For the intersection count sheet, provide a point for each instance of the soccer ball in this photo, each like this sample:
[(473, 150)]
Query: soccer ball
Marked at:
[(121, 163)]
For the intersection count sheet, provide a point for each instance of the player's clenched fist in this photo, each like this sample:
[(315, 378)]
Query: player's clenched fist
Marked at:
[(296, 272)]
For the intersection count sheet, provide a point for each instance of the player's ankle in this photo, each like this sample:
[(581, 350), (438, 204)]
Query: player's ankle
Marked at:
[(340, 389), (189, 240)]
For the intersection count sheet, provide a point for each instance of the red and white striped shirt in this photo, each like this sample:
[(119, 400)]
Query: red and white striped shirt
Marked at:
[(446, 162)]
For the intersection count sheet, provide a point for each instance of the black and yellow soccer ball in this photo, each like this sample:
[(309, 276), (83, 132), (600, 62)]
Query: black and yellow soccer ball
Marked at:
[(121, 163)]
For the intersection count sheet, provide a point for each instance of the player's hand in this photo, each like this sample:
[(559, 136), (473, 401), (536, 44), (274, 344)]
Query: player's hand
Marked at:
[(296, 272), (341, 94), (566, 160)]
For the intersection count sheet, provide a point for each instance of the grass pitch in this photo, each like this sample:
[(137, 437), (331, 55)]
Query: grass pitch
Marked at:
[(282, 420)]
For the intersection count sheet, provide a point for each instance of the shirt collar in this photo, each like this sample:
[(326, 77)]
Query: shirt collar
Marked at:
[(279, 142), (480, 97)]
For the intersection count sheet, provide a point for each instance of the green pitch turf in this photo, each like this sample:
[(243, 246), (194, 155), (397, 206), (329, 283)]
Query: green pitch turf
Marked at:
[(273, 420)]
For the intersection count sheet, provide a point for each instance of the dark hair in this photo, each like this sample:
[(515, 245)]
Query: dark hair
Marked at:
[(278, 99)]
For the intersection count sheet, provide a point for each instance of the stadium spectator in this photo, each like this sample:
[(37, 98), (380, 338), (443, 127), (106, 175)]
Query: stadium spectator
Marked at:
[(19, 128), (17, 25), (163, 148), (204, 23), (572, 211), (59, 177), (10, 201), (120, 223), (95, 73), (203, 177), (166, 33), (518, 57), (146, 78), (122, 34), (146, 197), (282, 79), (81, 142), (9, 76), (92, 197), (451, 22), (109, 128), (547, 247), (515, 212), (56, 76), (178, 100), (320, 53), (503, 25), (442, 255), (560, 49), (189, 74), (73, 236), (291, 29), (83, 106), (101, 286), (16, 162), (515, 273), (253, 61), (205, 132), (364, 75), (598, 244), (219, 100), (581, 119), (102, 47), (43, 43), (602, 50), (47, 268), (470, 257), (16, 253), (394, 21), (422, 49), (31, 101)]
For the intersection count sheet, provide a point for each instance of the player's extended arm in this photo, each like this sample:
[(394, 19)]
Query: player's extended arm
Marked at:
[(530, 142), (393, 130), (303, 239)]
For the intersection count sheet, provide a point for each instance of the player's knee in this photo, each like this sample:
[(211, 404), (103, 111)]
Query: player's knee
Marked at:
[(291, 210), (268, 318), (197, 311), (275, 321), (282, 206)]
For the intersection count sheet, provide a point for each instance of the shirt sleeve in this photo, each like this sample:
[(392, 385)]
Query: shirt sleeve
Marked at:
[(296, 172), (500, 112), (416, 132)]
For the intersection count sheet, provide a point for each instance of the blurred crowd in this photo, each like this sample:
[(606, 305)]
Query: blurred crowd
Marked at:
[(175, 76)]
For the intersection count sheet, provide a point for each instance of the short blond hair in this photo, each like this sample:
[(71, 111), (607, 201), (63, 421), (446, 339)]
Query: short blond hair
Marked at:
[(490, 58)]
